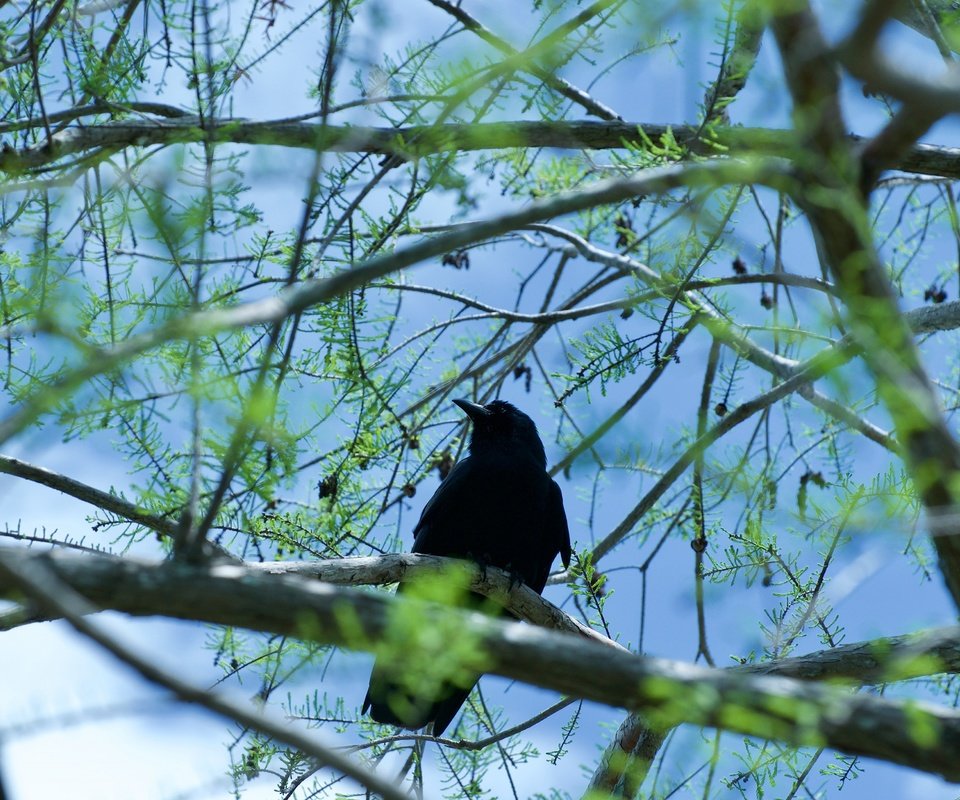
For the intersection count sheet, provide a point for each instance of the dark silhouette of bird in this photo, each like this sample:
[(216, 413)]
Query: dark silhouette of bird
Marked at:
[(498, 507)]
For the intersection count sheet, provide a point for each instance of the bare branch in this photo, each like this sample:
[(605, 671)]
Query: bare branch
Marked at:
[(414, 141), (88, 494), (520, 601), (96, 497), (669, 692)]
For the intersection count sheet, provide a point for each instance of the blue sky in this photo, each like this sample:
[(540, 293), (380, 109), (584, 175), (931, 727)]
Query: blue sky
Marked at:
[(169, 751)]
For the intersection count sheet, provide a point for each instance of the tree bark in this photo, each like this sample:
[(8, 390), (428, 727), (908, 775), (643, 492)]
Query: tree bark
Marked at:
[(797, 712)]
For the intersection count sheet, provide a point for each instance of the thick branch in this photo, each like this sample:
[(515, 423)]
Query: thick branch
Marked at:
[(798, 712), (415, 141), (521, 601), (931, 20), (934, 96), (627, 758)]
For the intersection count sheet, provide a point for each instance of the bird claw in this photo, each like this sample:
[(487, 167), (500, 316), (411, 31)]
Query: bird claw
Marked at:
[(516, 579), (482, 565)]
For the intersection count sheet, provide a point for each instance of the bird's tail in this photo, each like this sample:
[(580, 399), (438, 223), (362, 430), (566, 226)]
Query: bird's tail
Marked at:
[(391, 703)]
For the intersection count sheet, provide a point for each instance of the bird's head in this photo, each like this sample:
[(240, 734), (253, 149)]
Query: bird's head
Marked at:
[(499, 425)]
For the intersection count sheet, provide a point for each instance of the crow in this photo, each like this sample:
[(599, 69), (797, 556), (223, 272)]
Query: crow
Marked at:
[(497, 507)]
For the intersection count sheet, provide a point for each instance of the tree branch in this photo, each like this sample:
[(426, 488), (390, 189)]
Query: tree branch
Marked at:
[(415, 141), (627, 758), (797, 712), (836, 209), (555, 82), (88, 494), (96, 497), (520, 601)]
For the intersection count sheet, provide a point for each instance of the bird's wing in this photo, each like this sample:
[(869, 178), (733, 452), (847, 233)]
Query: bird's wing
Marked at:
[(443, 502), (557, 523)]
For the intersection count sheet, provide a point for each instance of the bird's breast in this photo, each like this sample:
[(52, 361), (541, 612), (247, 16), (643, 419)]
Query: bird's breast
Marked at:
[(503, 519)]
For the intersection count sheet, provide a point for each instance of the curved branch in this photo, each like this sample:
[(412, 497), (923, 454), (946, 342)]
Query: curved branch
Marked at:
[(798, 712)]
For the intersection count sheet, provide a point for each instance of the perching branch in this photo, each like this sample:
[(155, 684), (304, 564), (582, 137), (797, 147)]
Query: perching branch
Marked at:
[(918, 735), (520, 601)]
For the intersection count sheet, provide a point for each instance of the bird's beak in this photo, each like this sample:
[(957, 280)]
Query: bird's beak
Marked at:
[(473, 410)]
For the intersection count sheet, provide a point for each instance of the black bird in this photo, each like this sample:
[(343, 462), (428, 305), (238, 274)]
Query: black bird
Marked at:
[(497, 507)]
